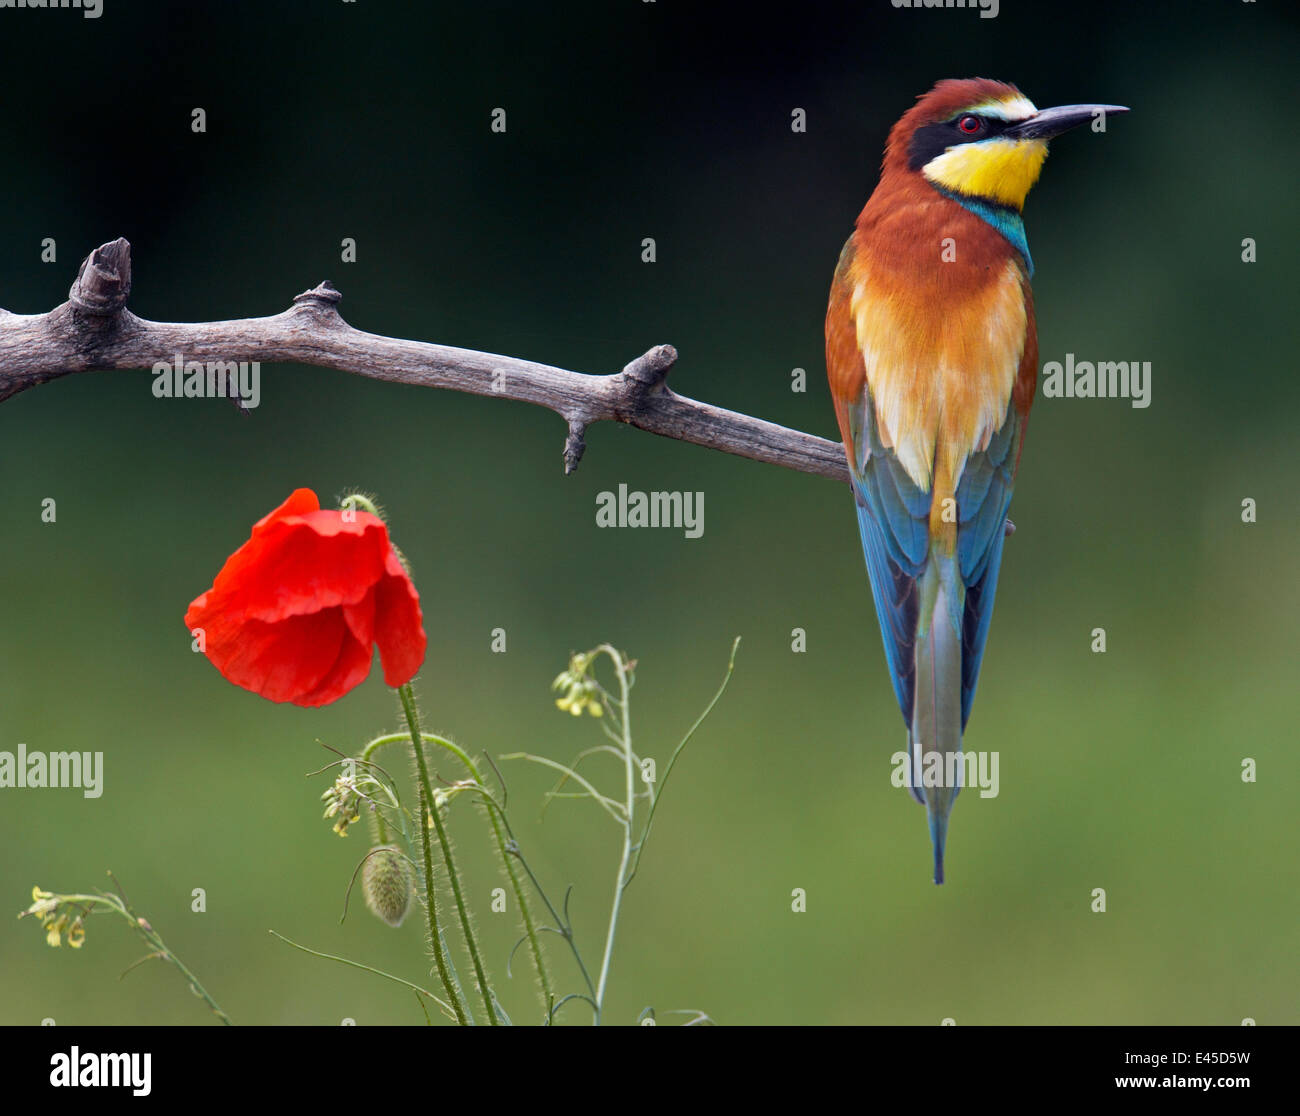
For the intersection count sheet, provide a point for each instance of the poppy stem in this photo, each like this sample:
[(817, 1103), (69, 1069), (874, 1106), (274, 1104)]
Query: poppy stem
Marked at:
[(430, 901), (354, 500), (417, 742), (497, 817)]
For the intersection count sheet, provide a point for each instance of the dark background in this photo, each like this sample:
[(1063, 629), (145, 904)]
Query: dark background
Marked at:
[(669, 120)]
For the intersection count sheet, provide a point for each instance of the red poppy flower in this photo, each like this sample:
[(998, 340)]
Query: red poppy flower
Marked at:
[(295, 613)]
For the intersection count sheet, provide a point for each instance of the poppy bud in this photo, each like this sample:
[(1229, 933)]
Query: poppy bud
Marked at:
[(386, 882)]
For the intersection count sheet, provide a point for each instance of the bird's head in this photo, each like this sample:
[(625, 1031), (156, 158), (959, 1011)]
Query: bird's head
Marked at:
[(981, 139)]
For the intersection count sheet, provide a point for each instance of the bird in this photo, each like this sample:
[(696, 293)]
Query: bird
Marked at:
[(932, 362)]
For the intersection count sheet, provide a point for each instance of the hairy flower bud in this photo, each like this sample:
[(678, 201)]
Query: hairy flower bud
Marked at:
[(386, 882)]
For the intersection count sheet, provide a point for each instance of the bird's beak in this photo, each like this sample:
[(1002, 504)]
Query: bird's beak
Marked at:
[(1053, 121)]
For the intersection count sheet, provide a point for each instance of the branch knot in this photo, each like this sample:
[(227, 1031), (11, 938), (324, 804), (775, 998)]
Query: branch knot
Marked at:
[(324, 293), (104, 280), (650, 369)]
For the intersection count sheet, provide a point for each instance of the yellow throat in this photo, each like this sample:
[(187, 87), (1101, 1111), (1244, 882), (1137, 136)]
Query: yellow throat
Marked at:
[(1001, 170)]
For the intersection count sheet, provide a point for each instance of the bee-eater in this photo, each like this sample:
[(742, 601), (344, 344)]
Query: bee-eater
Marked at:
[(932, 356)]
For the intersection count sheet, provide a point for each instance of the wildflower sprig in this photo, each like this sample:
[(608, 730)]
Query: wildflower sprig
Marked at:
[(582, 691), (63, 916), (344, 798), (59, 915)]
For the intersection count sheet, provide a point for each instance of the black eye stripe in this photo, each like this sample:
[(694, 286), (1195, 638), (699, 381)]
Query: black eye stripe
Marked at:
[(933, 139)]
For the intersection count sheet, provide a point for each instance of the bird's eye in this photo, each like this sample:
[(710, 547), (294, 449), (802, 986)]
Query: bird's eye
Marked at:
[(970, 124)]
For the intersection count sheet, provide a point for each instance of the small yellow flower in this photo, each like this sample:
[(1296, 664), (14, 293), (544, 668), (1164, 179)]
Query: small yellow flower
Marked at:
[(581, 693), (54, 928), (76, 934), (43, 903), (343, 798), (341, 826)]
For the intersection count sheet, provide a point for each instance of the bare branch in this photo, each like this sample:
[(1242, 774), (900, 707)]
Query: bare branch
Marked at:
[(93, 332)]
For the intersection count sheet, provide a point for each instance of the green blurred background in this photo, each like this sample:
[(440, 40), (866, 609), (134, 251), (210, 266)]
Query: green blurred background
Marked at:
[(627, 120)]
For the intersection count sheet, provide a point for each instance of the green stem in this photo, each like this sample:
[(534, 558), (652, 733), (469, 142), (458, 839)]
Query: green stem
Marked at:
[(378, 826), (379, 741), (534, 944), (672, 762), (152, 938), (365, 968), (563, 927), (495, 816), (627, 822), (357, 500), (430, 898), (196, 987), (417, 742), (377, 816)]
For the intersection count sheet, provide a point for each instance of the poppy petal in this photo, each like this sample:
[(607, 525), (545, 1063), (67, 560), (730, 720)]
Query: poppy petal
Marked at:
[(301, 564), (300, 501), (360, 619), (399, 624), (280, 661), (349, 671)]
